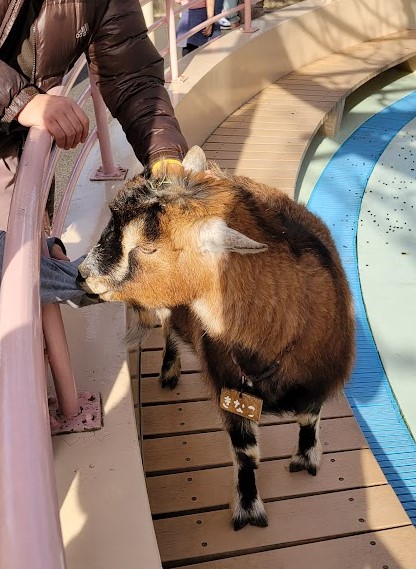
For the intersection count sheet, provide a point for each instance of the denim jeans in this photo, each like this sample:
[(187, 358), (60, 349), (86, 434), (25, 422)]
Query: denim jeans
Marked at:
[(57, 279), (227, 5)]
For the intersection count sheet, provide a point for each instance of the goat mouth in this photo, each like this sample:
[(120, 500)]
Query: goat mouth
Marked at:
[(92, 295), (93, 287)]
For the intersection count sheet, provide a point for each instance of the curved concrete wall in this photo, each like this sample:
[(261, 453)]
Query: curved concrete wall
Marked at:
[(219, 78)]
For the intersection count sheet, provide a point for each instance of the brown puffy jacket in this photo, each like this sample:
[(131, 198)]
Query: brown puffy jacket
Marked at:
[(127, 67)]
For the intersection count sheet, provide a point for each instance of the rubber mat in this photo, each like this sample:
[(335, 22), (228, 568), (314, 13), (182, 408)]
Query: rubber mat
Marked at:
[(336, 198)]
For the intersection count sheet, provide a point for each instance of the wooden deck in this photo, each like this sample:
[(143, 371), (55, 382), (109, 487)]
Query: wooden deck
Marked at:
[(267, 137), (347, 516)]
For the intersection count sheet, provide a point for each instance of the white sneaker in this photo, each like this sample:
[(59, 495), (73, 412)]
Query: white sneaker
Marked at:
[(225, 24)]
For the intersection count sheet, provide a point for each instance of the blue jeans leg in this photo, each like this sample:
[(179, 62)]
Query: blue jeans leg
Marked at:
[(227, 5)]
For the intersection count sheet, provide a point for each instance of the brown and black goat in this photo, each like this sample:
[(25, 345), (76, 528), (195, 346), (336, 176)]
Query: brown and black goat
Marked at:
[(252, 281)]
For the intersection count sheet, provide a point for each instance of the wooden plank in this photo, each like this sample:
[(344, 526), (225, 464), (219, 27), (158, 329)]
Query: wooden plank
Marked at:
[(255, 172), (264, 168), (258, 162), (273, 122), (179, 418), (192, 452), (239, 154), (242, 143), (208, 535), (262, 113), (277, 131), (282, 97), (241, 146), (203, 416), (190, 388), (151, 362), (311, 92), (290, 138), (392, 549), (190, 491)]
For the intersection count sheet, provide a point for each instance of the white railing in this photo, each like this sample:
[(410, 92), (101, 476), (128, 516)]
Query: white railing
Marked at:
[(30, 533)]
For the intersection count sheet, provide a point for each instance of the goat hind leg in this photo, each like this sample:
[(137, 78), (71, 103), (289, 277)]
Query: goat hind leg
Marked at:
[(309, 452), (247, 506)]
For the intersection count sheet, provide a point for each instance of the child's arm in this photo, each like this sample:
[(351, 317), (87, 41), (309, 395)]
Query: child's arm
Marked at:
[(58, 280), (210, 14)]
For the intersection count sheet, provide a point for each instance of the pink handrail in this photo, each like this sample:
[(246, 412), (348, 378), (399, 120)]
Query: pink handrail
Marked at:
[(33, 536), (30, 534)]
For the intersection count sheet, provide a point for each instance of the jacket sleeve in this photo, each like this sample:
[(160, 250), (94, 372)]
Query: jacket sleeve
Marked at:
[(129, 73), (15, 93)]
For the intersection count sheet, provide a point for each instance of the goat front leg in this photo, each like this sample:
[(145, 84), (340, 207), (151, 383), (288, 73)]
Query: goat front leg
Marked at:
[(171, 365), (247, 507), (309, 452)]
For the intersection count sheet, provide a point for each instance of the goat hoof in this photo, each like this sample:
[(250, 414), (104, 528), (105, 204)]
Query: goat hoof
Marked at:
[(260, 521), (255, 516), (239, 523), (168, 382), (300, 463), (296, 466)]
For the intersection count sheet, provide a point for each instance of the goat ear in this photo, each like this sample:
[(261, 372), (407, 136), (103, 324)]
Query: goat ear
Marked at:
[(195, 160), (215, 236)]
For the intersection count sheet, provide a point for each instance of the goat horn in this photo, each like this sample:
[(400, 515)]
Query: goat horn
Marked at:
[(195, 160)]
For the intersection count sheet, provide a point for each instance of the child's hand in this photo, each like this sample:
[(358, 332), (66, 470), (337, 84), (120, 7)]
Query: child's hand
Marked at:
[(65, 121), (207, 31), (57, 253)]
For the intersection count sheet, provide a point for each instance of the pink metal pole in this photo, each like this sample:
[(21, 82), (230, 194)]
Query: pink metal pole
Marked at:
[(108, 170), (173, 54), (62, 210), (30, 534), (247, 16), (59, 360), (58, 356), (102, 126), (64, 202)]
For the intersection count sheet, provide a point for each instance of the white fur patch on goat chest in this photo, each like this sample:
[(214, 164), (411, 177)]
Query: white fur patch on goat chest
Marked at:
[(212, 320)]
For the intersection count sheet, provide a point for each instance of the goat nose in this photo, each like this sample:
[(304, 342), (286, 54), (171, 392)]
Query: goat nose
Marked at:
[(83, 271)]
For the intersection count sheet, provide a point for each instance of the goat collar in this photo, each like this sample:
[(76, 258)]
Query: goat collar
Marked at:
[(266, 373)]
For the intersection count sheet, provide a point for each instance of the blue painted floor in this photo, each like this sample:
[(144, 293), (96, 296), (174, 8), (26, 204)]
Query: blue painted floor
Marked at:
[(337, 197)]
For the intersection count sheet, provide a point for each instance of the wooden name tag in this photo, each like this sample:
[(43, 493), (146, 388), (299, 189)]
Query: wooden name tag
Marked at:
[(242, 404)]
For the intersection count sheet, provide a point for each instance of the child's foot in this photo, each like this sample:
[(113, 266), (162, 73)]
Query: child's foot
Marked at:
[(225, 24)]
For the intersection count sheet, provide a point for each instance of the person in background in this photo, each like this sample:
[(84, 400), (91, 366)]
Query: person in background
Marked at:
[(195, 15), (232, 21), (40, 40)]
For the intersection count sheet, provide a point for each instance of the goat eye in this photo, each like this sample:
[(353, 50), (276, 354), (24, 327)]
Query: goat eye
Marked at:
[(147, 249)]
